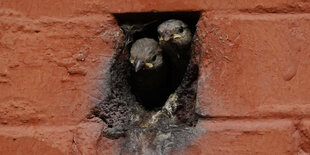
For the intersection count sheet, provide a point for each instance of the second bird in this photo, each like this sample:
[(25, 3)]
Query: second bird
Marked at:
[(149, 73), (175, 39)]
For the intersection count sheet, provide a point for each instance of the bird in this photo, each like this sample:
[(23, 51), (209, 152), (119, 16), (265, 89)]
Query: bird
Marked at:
[(175, 39), (149, 73)]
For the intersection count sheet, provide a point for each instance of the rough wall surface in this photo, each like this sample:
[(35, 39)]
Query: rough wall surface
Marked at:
[(254, 79)]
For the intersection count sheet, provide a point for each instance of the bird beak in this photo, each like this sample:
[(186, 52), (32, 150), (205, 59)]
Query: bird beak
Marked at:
[(167, 38), (176, 36), (149, 65), (139, 65)]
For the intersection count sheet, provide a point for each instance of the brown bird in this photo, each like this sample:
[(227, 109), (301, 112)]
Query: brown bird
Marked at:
[(175, 39), (149, 73)]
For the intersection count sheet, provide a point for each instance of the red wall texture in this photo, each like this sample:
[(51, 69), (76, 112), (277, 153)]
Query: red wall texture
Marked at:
[(254, 78)]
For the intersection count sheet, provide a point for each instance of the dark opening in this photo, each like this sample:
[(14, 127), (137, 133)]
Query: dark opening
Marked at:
[(151, 20), (156, 18), (119, 109)]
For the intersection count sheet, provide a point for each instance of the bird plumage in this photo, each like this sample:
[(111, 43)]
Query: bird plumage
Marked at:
[(175, 40), (149, 73)]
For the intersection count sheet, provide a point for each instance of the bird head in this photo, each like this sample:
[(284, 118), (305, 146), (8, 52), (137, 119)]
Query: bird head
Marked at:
[(145, 54), (174, 31)]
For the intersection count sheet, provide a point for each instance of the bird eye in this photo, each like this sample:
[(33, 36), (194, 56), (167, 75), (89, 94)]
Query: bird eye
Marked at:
[(154, 58), (180, 29)]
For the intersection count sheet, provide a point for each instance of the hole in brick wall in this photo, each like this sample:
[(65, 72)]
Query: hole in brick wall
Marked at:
[(145, 25), (122, 110)]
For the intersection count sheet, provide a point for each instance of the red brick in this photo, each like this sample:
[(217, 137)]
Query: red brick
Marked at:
[(304, 141), (43, 78), (67, 8), (35, 139), (244, 137), (53, 55), (85, 138), (12, 146), (255, 65)]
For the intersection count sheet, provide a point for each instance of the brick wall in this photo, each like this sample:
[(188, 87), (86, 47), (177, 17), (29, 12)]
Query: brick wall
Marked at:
[(254, 80)]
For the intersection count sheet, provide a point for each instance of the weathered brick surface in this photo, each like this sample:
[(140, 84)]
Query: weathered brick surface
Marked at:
[(36, 139), (254, 75), (67, 8), (255, 65), (50, 67), (244, 137), (11, 146), (84, 138), (304, 133)]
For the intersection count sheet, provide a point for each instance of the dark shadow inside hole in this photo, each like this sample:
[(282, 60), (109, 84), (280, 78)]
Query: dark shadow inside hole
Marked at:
[(152, 20)]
